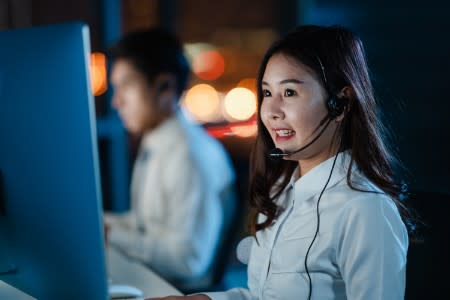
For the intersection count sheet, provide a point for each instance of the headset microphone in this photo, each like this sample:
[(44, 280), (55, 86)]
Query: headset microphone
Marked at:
[(277, 154), (335, 107)]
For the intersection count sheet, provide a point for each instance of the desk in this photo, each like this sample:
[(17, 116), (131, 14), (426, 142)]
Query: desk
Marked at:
[(121, 270)]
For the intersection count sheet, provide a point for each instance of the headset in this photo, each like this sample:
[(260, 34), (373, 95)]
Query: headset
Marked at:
[(335, 107)]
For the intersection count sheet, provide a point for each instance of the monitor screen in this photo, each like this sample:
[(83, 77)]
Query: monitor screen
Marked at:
[(51, 235)]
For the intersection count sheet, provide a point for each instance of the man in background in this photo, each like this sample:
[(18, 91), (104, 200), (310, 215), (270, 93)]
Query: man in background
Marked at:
[(182, 193)]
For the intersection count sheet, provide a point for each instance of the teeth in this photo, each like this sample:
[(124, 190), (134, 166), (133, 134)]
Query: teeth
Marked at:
[(284, 132)]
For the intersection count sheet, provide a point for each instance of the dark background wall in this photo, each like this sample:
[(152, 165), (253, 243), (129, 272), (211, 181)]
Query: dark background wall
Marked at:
[(408, 49)]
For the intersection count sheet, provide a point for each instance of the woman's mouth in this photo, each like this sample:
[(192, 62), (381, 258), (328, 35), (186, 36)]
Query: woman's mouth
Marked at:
[(284, 134)]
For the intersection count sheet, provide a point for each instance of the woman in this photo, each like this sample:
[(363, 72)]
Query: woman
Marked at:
[(326, 218)]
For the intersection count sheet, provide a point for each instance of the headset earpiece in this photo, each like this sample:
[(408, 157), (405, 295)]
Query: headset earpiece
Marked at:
[(336, 106)]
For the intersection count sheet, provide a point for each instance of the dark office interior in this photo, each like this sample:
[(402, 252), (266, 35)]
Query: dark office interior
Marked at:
[(408, 50)]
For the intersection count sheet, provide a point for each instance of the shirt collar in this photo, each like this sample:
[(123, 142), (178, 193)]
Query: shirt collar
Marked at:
[(314, 181), (159, 136)]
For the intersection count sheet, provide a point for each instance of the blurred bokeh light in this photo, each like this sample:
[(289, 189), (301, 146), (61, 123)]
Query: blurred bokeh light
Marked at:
[(240, 104), (97, 70), (244, 130), (248, 83), (208, 65), (202, 101)]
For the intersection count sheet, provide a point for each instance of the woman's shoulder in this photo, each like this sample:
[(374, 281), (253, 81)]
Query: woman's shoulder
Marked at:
[(371, 208), (363, 197)]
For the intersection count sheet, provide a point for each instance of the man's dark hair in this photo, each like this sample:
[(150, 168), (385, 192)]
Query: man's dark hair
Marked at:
[(152, 52)]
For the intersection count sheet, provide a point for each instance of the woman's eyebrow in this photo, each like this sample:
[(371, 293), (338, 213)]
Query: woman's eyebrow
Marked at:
[(284, 81), (291, 81)]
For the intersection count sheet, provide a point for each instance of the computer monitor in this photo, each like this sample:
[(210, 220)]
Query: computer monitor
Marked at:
[(51, 231)]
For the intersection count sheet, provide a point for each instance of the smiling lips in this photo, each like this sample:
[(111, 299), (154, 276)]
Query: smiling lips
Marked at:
[(283, 134)]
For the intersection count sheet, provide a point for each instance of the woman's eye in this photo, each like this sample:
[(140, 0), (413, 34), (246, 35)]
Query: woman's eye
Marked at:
[(266, 93), (289, 93)]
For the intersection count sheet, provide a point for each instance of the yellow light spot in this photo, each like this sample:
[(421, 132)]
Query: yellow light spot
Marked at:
[(202, 100), (240, 103)]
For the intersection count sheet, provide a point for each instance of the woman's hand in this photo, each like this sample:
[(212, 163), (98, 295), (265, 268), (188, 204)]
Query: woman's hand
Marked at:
[(193, 297)]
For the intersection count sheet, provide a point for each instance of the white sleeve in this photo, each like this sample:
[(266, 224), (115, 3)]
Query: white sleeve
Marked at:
[(125, 220), (233, 294), (183, 246), (372, 248)]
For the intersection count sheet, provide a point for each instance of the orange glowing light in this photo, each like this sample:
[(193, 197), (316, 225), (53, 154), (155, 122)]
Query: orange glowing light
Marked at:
[(208, 65), (245, 130), (202, 100), (97, 70), (248, 83), (242, 129)]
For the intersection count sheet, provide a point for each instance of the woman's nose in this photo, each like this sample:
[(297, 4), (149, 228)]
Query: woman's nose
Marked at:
[(274, 109)]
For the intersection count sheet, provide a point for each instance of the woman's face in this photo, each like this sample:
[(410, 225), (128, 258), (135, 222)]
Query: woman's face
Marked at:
[(292, 107)]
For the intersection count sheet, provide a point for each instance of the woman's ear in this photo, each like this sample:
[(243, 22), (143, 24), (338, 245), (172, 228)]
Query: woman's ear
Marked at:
[(347, 94)]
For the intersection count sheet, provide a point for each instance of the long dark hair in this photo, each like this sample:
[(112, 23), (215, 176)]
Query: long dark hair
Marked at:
[(342, 55)]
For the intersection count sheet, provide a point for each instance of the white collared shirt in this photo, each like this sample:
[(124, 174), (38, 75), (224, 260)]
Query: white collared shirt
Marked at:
[(179, 201), (359, 253)]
